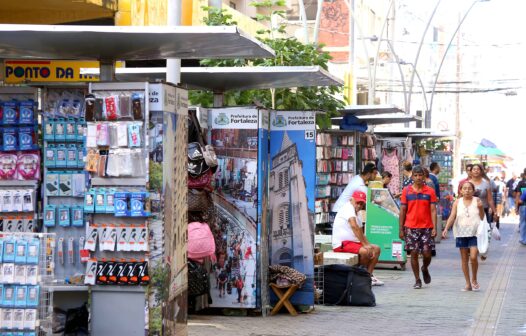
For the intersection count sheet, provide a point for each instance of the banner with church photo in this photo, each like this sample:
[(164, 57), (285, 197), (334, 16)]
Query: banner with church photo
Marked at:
[(234, 134), (292, 186)]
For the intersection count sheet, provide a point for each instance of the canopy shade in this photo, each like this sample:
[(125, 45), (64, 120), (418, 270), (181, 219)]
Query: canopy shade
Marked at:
[(110, 43), (363, 110), (379, 119)]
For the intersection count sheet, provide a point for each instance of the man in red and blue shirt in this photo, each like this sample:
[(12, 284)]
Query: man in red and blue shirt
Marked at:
[(418, 218)]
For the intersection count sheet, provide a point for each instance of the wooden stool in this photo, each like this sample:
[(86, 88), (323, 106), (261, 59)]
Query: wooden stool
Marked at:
[(284, 297)]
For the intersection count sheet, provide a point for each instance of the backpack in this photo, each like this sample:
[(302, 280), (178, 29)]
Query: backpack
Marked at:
[(201, 241), (346, 285)]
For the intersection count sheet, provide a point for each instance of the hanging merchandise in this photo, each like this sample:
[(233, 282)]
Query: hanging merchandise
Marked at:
[(390, 164)]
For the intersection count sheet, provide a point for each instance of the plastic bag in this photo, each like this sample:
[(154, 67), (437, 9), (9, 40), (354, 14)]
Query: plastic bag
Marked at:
[(483, 236), (495, 233)]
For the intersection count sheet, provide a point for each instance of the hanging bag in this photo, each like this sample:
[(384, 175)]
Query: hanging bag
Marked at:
[(198, 283), (483, 237), (199, 200), (209, 153)]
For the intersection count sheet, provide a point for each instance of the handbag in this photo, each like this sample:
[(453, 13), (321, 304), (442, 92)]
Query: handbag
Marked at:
[(208, 151), (347, 285), (196, 162), (198, 282), (203, 181), (199, 200)]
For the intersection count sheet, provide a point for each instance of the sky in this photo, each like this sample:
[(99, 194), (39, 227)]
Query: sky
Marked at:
[(493, 49)]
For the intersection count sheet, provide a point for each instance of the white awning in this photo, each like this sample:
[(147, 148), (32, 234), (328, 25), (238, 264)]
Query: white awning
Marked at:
[(363, 110), (381, 119)]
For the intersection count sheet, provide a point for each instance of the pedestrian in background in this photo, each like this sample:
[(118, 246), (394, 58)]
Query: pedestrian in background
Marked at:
[(417, 224), (520, 207), (434, 170), (407, 172), (465, 219), (510, 192), (467, 178), (483, 190)]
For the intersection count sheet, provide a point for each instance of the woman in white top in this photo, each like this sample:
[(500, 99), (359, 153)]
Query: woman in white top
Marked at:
[(465, 218)]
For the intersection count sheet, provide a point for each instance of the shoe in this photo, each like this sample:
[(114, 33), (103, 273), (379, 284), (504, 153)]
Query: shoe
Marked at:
[(418, 284), (475, 286), (427, 276), (375, 281)]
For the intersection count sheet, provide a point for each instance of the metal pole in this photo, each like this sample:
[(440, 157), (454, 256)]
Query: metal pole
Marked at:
[(373, 86), (107, 71), (445, 54), (316, 33), (173, 65), (418, 55), (402, 78)]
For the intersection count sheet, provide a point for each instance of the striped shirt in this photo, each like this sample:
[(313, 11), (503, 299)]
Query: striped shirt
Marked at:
[(418, 204)]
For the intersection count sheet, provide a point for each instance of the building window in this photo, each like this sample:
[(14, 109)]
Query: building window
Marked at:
[(232, 4), (283, 177), (283, 216)]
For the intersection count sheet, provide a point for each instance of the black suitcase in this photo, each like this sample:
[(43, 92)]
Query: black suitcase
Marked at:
[(346, 285)]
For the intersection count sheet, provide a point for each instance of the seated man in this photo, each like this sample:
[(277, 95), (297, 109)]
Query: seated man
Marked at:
[(348, 236)]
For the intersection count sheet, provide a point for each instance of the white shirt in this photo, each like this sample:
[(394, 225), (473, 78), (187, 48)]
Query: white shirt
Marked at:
[(341, 228), (356, 183)]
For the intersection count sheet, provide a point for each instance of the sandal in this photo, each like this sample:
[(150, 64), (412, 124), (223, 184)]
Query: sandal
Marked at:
[(418, 284), (466, 289), (475, 286), (427, 276)]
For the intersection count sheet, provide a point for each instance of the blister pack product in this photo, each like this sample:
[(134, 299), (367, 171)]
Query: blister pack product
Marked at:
[(103, 235), (33, 250), (124, 275), (144, 277), (101, 170), (59, 129), (80, 126), (91, 272), (136, 204), (92, 233), (142, 241), (78, 184), (28, 166), (122, 135), (103, 135), (50, 156), (52, 185), (91, 135), (49, 129), (123, 236), (139, 163), (21, 296), (134, 135), (137, 106), (100, 200), (30, 320), (8, 166), (9, 250), (20, 273), (92, 161), (111, 107), (111, 239), (50, 215), (18, 320), (31, 274), (64, 184), (21, 251), (89, 107), (61, 160), (110, 200), (30, 225), (89, 201), (9, 139), (114, 136), (7, 201), (8, 273), (71, 157), (125, 162), (71, 129), (112, 165), (102, 268), (121, 204), (7, 317), (64, 215), (17, 200), (125, 107), (33, 296), (77, 216)]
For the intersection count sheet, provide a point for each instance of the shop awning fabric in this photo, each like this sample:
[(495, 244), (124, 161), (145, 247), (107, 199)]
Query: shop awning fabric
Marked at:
[(110, 43)]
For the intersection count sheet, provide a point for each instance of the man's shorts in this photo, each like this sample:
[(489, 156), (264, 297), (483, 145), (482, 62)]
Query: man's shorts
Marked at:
[(419, 240), (348, 247)]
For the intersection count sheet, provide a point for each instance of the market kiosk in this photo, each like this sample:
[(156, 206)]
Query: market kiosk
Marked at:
[(108, 44)]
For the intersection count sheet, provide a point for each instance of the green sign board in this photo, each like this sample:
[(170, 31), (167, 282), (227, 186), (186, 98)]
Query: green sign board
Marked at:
[(381, 226)]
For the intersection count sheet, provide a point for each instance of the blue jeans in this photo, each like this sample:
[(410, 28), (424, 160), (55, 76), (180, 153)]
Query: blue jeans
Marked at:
[(522, 224), (511, 203)]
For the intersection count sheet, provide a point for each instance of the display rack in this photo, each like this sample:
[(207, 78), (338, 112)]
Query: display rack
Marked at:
[(335, 166), (26, 305)]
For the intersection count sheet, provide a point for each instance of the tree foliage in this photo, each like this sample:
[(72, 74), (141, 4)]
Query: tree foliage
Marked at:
[(289, 52)]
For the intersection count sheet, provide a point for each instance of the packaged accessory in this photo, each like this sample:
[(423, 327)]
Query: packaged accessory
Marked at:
[(144, 277), (50, 156), (101, 170), (99, 109), (139, 163), (7, 315), (122, 135), (111, 105), (59, 129), (134, 135), (103, 235), (103, 135), (26, 138), (52, 185), (142, 241), (83, 253), (21, 297), (91, 135), (20, 274), (80, 126), (124, 275), (61, 156), (7, 166), (100, 200), (122, 238), (92, 233), (92, 161), (9, 250), (7, 201), (71, 129), (121, 204), (31, 274), (78, 184), (28, 166), (21, 250), (64, 215), (125, 162), (18, 320), (8, 273), (49, 215), (33, 250), (77, 216), (9, 138), (89, 201), (110, 200), (71, 157), (136, 204), (10, 113), (30, 225), (49, 129), (89, 107), (60, 251), (30, 320), (137, 106), (91, 272), (125, 107), (114, 136), (71, 251), (64, 184), (17, 200), (27, 112), (32, 296)]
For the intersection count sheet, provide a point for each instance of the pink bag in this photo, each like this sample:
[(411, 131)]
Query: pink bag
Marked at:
[(201, 242)]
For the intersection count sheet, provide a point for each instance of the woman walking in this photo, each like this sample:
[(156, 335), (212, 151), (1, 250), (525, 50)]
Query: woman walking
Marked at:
[(465, 218), (483, 190)]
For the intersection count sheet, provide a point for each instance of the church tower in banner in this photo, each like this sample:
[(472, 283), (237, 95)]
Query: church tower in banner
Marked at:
[(291, 225)]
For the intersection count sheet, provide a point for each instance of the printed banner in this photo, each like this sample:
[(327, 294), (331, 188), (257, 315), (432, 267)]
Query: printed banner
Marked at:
[(292, 186)]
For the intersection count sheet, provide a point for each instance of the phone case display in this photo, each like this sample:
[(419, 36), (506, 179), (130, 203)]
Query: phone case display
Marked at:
[(335, 167), (23, 259), (65, 182), (117, 203)]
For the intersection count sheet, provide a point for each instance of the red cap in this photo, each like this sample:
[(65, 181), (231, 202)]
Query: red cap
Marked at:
[(359, 196)]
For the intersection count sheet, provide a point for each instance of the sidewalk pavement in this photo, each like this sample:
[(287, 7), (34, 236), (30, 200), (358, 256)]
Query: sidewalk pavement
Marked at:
[(440, 308)]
